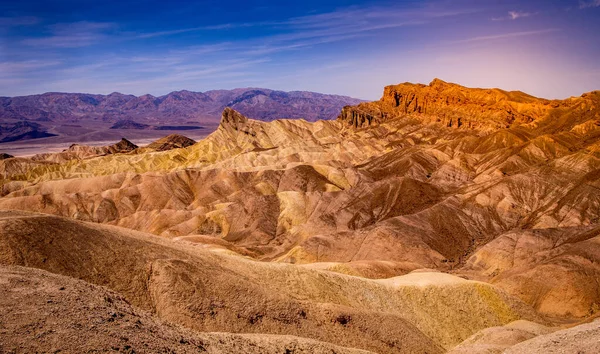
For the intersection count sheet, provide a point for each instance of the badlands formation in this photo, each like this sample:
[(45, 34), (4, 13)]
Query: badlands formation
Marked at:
[(437, 219)]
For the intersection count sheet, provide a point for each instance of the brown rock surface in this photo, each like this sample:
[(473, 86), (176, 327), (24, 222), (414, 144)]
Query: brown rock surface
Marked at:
[(207, 291), (451, 105), (556, 270), (79, 152), (169, 142), (44, 312), (579, 339), (497, 339)]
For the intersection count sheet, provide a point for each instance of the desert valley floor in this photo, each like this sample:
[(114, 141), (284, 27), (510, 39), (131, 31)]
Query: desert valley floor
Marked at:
[(438, 219)]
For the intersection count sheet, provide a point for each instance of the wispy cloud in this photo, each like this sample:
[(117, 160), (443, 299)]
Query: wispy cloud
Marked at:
[(8, 68), (260, 50), (224, 26), (372, 15), (168, 33), (73, 35), (514, 15), (341, 21), (206, 48), (18, 21), (325, 69), (505, 35), (306, 37), (141, 79), (341, 25), (307, 31), (588, 4), (518, 14), (328, 27)]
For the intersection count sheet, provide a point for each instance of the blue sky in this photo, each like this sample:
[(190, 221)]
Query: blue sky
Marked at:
[(548, 48)]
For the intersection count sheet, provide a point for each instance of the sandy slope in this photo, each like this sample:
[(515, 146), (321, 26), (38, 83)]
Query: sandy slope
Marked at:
[(498, 339), (584, 339), (207, 291), (44, 312)]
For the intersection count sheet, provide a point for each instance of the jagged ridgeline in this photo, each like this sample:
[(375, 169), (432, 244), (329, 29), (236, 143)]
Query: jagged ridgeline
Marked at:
[(64, 116), (501, 188), (482, 109)]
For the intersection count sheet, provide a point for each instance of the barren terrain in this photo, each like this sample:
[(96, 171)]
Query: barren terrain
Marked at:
[(439, 218)]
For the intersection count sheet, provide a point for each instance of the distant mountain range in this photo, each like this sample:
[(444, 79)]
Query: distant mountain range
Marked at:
[(176, 109)]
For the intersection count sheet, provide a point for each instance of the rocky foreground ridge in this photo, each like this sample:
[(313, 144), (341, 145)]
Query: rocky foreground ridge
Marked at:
[(429, 186)]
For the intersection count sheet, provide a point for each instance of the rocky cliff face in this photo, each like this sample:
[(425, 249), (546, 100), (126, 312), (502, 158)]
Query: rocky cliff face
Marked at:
[(454, 106), (232, 117)]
